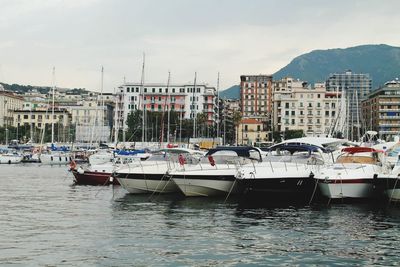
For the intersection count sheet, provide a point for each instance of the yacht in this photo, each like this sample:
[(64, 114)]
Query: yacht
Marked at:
[(215, 173), (353, 175)]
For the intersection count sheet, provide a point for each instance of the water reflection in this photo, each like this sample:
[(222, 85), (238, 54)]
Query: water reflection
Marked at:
[(46, 221)]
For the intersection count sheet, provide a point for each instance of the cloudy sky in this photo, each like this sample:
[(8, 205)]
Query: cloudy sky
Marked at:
[(232, 37)]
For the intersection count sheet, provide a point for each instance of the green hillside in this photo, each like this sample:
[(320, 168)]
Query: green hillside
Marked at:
[(382, 62)]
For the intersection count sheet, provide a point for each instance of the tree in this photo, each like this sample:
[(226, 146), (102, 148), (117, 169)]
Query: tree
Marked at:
[(237, 118)]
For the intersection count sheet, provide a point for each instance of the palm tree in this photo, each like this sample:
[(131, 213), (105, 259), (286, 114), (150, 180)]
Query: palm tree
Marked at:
[(237, 118)]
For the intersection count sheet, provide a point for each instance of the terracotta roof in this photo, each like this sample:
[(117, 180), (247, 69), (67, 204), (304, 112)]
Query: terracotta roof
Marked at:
[(250, 121)]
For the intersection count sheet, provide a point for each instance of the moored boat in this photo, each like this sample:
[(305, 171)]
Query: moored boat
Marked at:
[(285, 174), (214, 175), (151, 176), (353, 175)]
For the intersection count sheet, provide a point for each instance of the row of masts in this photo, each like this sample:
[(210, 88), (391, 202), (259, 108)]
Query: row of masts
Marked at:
[(99, 120)]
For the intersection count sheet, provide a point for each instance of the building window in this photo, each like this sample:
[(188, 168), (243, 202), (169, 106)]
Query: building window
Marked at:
[(246, 128)]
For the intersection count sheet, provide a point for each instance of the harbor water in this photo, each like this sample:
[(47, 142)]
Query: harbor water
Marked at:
[(47, 221)]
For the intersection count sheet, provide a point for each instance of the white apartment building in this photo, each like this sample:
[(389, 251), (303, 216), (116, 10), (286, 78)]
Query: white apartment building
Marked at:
[(92, 121), (187, 99), (8, 103), (298, 106)]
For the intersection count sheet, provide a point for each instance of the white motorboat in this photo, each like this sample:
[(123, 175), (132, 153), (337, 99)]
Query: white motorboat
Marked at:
[(215, 173), (286, 173), (150, 176), (10, 157), (353, 175), (390, 184)]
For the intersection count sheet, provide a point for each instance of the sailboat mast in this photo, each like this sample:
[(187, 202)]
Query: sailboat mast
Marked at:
[(217, 117), (52, 109), (116, 120), (193, 106), (143, 103), (168, 105)]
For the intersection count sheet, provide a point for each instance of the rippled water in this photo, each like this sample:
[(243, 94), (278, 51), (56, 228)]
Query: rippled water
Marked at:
[(44, 220)]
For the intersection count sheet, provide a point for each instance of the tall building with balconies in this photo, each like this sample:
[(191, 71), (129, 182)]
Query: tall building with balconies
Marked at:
[(256, 96), (356, 87), (381, 110), (298, 106)]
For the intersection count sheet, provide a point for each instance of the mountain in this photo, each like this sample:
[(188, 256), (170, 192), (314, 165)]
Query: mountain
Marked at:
[(381, 62), (232, 92)]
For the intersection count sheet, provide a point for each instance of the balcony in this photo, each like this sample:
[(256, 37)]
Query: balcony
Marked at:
[(389, 117), (390, 110)]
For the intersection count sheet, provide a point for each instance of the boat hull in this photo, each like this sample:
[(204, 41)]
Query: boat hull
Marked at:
[(205, 185), (93, 178), (348, 188), (10, 159), (149, 183), (278, 188)]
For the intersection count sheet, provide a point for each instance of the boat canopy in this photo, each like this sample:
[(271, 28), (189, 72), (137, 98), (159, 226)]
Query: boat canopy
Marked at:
[(297, 148), (59, 148), (130, 152), (241, 151), (354, 150)]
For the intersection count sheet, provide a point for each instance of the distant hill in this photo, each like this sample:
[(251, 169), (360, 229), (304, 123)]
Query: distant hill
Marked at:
[(21, 89), (382, 62), (232, 92)]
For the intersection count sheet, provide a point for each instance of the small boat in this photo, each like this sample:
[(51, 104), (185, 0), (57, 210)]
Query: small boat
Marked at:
[(10, 157), (353, 175), (56, 156), (100, 174)]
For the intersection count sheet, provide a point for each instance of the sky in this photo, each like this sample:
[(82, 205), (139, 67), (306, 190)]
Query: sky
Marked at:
[(230, 37)]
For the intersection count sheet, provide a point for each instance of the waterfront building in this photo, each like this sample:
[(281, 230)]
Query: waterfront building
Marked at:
[(381, 110), (356, 87), (298, 106), (8, 103), (92, 120), (186, 99), (42, 120)]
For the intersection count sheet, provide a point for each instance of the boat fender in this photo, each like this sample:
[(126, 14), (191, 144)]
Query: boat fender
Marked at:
[(80, 170), (181, 159), (211, 160), (111, 179), (72, 165)]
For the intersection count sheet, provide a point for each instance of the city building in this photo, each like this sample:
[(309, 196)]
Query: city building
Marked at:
[(251, 131), (183, 98), (256, 96), (355, 88), (298, 106), (42, 120), (93, 121), (8, 103), (381, 110)]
